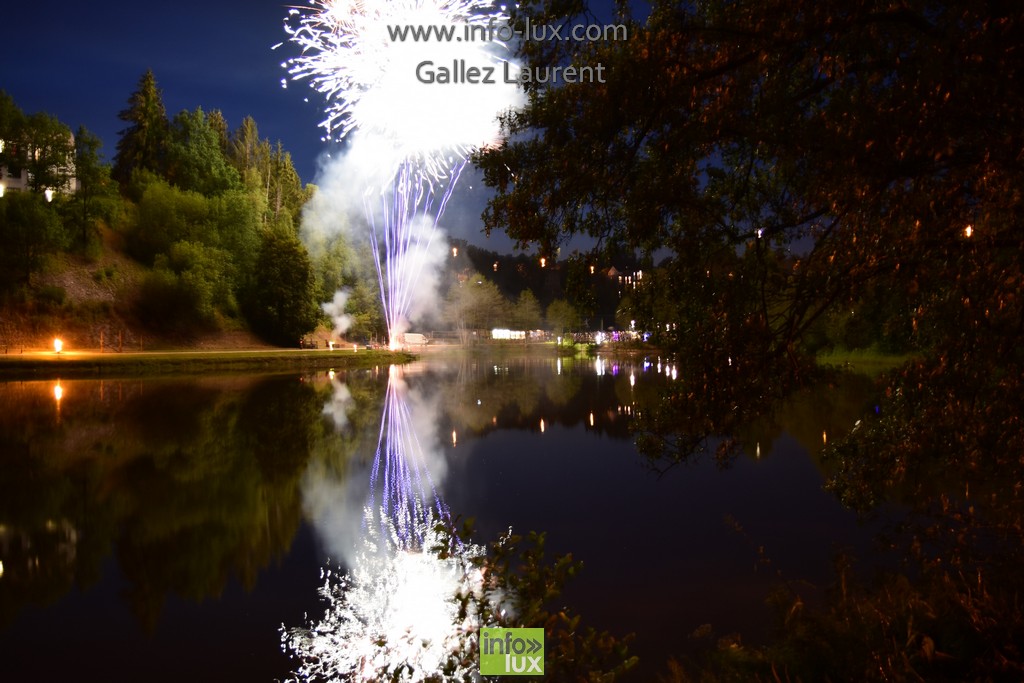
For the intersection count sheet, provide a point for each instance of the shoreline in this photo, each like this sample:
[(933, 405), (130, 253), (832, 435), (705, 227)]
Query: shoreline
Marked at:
[(51, 365)]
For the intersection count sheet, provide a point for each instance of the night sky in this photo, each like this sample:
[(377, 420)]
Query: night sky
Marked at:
[(80, 62)]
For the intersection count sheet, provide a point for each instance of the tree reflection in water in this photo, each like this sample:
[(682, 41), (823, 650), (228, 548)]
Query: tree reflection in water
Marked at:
[(190, 483), (937, 454)]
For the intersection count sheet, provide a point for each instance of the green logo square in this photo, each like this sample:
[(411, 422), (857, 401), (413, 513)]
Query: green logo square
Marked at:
[(512, 652)]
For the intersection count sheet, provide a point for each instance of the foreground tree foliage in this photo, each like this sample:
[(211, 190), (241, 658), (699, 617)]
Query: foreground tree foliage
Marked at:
[(798, 164), (790, 157), (788, 162)]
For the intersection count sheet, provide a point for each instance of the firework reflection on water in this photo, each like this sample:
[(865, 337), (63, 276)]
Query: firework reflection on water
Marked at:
[(397, 609)]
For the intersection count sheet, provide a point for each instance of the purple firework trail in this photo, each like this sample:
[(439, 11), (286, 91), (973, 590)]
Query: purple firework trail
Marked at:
[(409, 502), (400, 242)]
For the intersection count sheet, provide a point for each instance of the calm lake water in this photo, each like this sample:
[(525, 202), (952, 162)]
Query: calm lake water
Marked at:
[(165, 529)]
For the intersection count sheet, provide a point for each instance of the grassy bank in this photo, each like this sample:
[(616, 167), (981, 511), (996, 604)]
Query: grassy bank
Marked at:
[(48, 364), (865, 361)]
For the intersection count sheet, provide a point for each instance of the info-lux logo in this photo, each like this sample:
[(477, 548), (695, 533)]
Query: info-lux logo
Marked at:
[(511, 651)]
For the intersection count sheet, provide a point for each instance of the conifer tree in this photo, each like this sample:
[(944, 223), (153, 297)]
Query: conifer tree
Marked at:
[(142, 143)]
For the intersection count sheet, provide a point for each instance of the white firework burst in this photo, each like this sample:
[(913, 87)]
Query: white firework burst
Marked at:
[(373, 80), (396, 613)]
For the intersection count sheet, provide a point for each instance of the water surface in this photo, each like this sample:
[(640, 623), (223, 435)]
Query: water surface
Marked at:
[(163, 529)]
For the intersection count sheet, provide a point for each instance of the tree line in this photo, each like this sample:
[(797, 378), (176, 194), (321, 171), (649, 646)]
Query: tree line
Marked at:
[(214, 213)]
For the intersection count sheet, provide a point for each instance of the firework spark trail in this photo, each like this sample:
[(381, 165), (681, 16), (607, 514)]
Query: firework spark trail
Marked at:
[(408, 497), (405, 240), (417, 135)]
